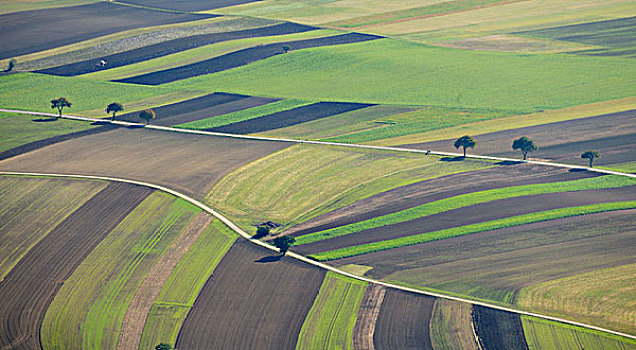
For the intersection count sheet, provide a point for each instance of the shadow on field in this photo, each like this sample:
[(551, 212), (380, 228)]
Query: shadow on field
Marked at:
[(44, 120), (578, 170), (509, 162), (269, 259), (136, 126), (451, 159)]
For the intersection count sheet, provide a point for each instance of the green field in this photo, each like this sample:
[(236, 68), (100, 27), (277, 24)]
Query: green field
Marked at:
[(182, 287), (330, 322), (473, 228), (464, 200), (546, 335), (50, 201), (88, 310), (451, 326), (8, 6), (389, 71)]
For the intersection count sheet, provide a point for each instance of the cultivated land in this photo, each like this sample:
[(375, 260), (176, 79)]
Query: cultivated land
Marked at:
[(498, 329), (185, 5), (452, 326)]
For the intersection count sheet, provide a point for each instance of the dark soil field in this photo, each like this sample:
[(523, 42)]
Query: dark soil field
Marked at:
[(498, 330), (200, 108), (495, 263), (254, 300), (613, 135), (290, 117), (240, 58), (187, 163), (30, 286), (39, 30), (186, 5), (404, 321), (172, 46), (426, 191), (482, 212)]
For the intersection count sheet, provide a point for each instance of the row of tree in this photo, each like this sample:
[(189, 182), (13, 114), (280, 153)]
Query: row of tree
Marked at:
[(113, 108), (524, 144)]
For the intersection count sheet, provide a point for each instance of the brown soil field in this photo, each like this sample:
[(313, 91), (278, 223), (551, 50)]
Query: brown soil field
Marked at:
[(482, 212), (171, 46), (404, 321), (200, 108), (426, 191), (498, 329), (367, 317), (613, 135), (186, 5), (190, 164), (254, 300), (22, 31), (515, 257), (240, 58), (30, 286), (290, 117)]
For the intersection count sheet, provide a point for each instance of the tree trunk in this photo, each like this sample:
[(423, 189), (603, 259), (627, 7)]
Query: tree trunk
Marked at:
[(525, 155), (591, 160), (464, 151)]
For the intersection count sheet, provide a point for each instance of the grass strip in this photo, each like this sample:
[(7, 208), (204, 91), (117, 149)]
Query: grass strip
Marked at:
[(330, 321), (242, 115), (464, 200), (474, 228)]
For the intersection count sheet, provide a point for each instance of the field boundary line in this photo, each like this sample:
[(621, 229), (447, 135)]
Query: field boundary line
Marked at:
[(324, 143), (305, 259)]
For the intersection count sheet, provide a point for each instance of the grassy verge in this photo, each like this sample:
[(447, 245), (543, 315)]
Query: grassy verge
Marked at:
[(468, 199), (474, 228), (243, 115), (88, 310), (182, 287), (627, 167), (330, 322), (543, 334)]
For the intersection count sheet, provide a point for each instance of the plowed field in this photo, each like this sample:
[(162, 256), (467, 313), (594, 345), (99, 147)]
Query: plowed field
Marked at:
[(186, 5), (498, 329)]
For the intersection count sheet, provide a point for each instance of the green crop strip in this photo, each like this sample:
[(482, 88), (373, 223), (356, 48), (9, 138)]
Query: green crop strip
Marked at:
[(464, 200), (544, 334), (330, 321), (474, 228), (246, 114)]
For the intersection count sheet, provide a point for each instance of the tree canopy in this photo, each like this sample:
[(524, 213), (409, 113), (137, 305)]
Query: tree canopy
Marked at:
[(525, 145), (147, 115), (465, 142), (591, 155), (60, 104), (114, 108), (163, 346), (283, 243)]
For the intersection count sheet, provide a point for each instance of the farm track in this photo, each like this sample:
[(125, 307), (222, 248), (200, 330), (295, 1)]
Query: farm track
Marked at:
[(170, 47), (31, 285), (23, 30), (477, 213), (240, 58), (185, 5), (498, 329), (253, 301)]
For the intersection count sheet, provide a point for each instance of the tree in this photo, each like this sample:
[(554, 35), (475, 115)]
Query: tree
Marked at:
[(465, 142), (147, 115), (114, 108), (286, 49), (12, 63), (261, 231), (283, 243), (60, 103), (163, 346), (590, 155), (525, 145)]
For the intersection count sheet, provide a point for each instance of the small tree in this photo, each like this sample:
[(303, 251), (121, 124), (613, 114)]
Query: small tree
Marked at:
[(590, 155), (525, 145), (283, 243), (163, 346), (60, 103), (465, 142), (286, 49), (12, 64), (261, 231), (147, 115), (114, 108)]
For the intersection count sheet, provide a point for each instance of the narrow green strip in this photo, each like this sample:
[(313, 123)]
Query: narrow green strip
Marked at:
[(474, 228), (464, 200)]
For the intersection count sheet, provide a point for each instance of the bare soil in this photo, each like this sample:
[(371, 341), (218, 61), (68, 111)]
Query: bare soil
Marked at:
[(240, 58), (498, 329), (38, 30), (31, 285), (186, 5), (367, 317), (254, 300), (404, 321)]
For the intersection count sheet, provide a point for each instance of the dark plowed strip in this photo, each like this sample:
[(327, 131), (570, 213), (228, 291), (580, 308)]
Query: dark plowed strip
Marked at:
[(426, 191), (39, 30), (29, 288), (483, 212), (32, 146), (186, 5), (240, 58), (200, 108), (253, 301), (498, 330), (404, 321), (290, 117), (171, 46)]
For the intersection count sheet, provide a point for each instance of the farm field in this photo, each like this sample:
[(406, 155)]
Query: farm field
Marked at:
[(8, 6), (185, 5), (498, 329), (452, 326)]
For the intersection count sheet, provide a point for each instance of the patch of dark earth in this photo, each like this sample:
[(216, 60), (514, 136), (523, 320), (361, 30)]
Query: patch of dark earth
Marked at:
[(473, 214), (170, 47), (241, 58), (186, 5), (290, 117), (38, 30), (498, 330), (426, 191)]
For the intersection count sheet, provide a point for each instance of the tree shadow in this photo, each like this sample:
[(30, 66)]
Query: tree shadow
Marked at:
[(44, 120), (509, 162), (100, 123), (578, 170), (136, 126), (269, 259), (452, 159)]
